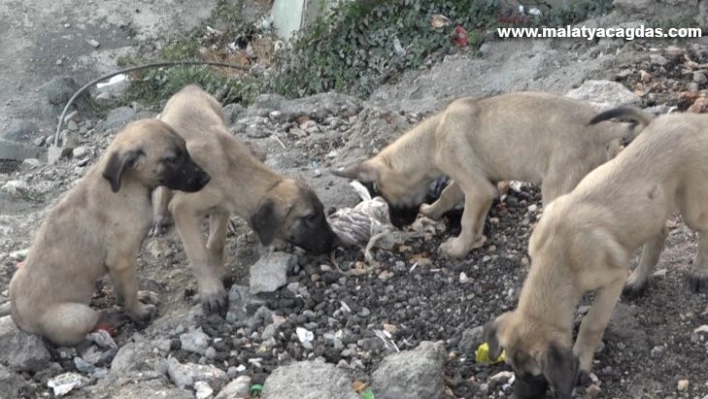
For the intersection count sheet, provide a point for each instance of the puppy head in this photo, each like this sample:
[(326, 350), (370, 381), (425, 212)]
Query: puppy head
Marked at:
[(403, 193), (151, 152), (535, 352), (292, 212)]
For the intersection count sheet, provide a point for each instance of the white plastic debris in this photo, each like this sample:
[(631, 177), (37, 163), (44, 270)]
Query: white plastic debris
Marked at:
[(356, 226), (304, 335), (64, 383), (112, 81), (701, 329)]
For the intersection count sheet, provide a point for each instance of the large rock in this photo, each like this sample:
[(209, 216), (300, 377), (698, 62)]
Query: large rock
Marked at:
[(414, 374), (18, 151), (309, 380), (471, 339), (271, 271), (604, 94), (21, 351), (119, 117), (130, 357), (11, 383), (60, 89), (18, 130), (185, 375)]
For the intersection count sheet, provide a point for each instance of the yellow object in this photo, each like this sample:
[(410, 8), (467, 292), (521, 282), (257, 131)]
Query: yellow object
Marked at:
[(482, 355)]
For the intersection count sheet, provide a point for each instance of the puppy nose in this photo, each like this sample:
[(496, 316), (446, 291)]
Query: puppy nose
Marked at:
[(206, 178)]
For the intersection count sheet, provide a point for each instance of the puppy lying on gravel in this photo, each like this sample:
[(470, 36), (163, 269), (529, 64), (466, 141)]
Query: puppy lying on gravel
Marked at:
[(525, 136), (585, 239)]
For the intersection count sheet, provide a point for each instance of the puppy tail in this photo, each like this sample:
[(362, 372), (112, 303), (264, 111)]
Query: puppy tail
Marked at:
[(640, 119)]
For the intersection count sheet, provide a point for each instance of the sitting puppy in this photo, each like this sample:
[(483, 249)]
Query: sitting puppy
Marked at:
[(585, 239), (273, 205), (98, 228), (525, 136)]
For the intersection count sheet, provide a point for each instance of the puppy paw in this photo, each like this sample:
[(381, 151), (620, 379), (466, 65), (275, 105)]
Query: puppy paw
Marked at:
[(697, 282), (149, 297), (583, 378), (215, 303), (144, 315), (635, 287), (454, 248), (160, 226), (430, 211)]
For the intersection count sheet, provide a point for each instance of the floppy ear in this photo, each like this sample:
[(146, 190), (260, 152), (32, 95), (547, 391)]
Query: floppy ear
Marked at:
[(560, 366), (267, 220), (362, 171), (489, 334), (118, 162)]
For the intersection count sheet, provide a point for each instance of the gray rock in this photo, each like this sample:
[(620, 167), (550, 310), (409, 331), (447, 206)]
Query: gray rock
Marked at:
[(11, 383), (309, 380), (80, 152), (414, 374), (317, 107), (236, 389), (699, 77), (130, 357), (232, 112), (270, 272), (604, 94), (131, 389), (185, 375), (119, 117), (195, 341), (21, 351), (18, 130), (471, 339), (60, 89), (18, 151)]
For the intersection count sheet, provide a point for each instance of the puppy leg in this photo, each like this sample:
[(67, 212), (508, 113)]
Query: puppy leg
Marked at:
[(479, 194), (698, 276), (211, 289), (161, 214), (218, 225), (68, 323), (594, 323), (450, 196), (125, 282), (638, 282)]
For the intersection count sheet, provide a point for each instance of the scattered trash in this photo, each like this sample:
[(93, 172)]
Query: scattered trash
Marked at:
[(701, 329), (398, 48), (439, 21), (103, 339), (385, 336), (256, 389), (304, 335), (112, 81), (535, 11), (368, 394), (482, 355), (461, 37), (19, 255), (359, 386), (64, 383)]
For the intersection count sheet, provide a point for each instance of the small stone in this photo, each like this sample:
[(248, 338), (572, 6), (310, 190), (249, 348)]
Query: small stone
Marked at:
[(195, 342), (699, 77), (93, 43), (210, 353), (660, 273), (71, 125), (658, 59), (593, 391), (38, 142), (80, 152), (682, 385), (463, 278), (203, 390), (645, 76), (238, 388), (58, 62), (186, 375), (533, 208), (270, 272)]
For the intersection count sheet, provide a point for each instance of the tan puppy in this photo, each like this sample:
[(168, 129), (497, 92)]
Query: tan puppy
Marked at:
[(98, 228), (585, 239), (526, 136), (274, 206)]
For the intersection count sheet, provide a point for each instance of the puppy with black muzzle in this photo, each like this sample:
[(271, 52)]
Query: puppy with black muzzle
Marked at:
[(97, 228), (524, 136), (276, 207), (585, 239)]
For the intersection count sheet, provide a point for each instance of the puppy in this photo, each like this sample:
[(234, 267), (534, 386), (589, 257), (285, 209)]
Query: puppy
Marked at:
[(98, 228), (273, 205), (585, 239), (525, 136)]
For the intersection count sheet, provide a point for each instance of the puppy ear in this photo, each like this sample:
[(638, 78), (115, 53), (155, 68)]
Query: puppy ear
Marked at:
[(489, 334), (560, 367), (118, 162), (267, 220), (365, 172)]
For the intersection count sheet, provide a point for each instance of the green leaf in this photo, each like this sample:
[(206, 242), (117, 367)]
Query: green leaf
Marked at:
[(368, 394)]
